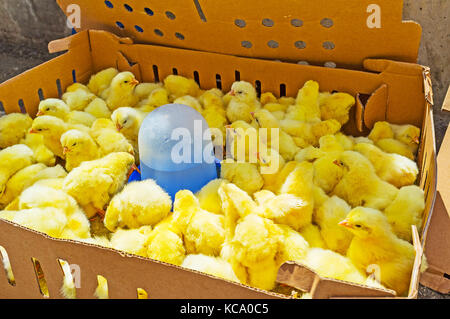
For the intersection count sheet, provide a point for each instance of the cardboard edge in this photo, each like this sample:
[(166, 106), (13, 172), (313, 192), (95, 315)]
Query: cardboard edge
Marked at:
[(446, 104)]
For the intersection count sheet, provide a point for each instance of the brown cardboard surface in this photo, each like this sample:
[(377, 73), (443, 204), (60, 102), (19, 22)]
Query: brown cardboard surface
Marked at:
[(216, 30), (395, 91)]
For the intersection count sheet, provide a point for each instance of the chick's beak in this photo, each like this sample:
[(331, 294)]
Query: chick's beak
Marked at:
[(336, 162), (119, 127), (232, 93), (345, 223), (252, 114), (31, 131), (416, 140), (65, 150), (40, 113), (134, 82)]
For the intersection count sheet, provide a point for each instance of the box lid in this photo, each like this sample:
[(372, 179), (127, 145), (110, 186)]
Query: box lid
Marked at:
[(344, 32)]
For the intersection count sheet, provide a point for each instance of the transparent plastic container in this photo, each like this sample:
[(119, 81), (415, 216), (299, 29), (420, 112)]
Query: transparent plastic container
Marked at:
[(176, 150)]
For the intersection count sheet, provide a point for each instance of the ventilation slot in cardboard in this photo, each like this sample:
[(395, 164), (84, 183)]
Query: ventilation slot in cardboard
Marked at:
[(109, 4), (179, 36), (41, 95), (174, 71), (200, 10), (258, 87), (240, 23), (128, 7), (246, 44), (273, 44), (74, 76), (120, 25), (59, 87), (22, 106), (197, 77), (40, 277), (328, 45), (68, 288), (102, 288), (300, 45), (330, 64), (7, 266), (282, 90), (2, 109), (142, 294), (219, 81), (326, 23), (155, 73), (158, 32), (296, 23), (267, 22), (149, 11), (237, 75), (138, 29), (170, 15)]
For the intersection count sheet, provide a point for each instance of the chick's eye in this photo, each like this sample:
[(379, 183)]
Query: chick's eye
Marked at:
[(74, 144), (358, 226), (126, 81), (48, 109)]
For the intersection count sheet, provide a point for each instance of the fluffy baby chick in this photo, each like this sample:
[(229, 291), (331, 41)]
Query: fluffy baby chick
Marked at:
[(141, 203), (406, 210), (98, 109), (121, 91), (41, 153), (109, 140), (100, 81), (132, 241), (270, 164), (284, 144), (78, 100), (215, 266), (312, 235), (13, 159), (253, 250), (390, 145), (77, 86), (243, 102), (179, 86), (374, 243), (43, 197), (13, 128), (203, 231), (242, 141), (78, 147), (300, 182), (209, 197), (157, 98), (327, 216), (143, 90), (189, 101), (213, 100), (381, 130), (59, 109), (332, 265), (216, 122), (267, 97), (245, 175), (407, 134), (94, 183), (360, 186), (128, 122), (306, 106), (337, 106), (392, 168), (293, 246), (166, 243)]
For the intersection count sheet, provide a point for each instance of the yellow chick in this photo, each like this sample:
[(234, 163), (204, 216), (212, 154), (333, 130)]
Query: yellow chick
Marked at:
[(245, 175), (43, 197), (392, 168), (143, 90), (381, 130), (332, 265), (337, 106), (374, 243), (189, 101), (132, 241), (293, 246), (139, 204), (203, 231), (406, 210), (217, 123), (157, 98), (283, 143), (209, 198), (59, 109), (327, 216), (390, 145), (243, 102), (13, 159), (253, 251), (312, 235), (77, 86), (109, 140), (13, 128), (121, 91), (268, 97), (78, 100), (78, 147), (98, 109), (41, 153), (214, 266), (360, 186), (213, 100), (242, 141), (270, 164), (306, 106), (94, 183), (100, 81), (286, 100), (407, 134), (300, 182), (179, 86), (128, 122), (166, 243)]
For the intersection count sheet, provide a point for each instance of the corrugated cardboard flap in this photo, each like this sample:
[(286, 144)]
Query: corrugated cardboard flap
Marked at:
[(341, 31)]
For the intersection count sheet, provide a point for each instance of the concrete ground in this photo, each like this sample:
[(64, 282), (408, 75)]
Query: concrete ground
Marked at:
[(23, 44)]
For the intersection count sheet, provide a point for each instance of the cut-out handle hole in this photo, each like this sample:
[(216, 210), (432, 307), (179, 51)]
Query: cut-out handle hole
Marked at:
[(40, 277), (7, 266)]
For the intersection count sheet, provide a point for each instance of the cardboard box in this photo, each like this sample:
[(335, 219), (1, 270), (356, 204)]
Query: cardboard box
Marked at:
[(217, 45)]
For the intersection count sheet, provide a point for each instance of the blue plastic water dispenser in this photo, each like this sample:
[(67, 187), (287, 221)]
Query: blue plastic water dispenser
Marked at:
[(176, 149)]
